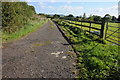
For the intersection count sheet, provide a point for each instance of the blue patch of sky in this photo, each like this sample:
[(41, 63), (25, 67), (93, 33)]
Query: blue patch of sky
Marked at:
[(86, 5)]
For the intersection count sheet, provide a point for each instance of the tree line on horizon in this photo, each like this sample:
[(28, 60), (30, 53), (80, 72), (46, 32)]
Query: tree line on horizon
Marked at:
[(95, 18)]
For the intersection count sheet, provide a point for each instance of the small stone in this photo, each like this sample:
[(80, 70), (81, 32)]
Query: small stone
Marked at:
[(26, 51), (5, 76), (61, 51), (35, 57), (44, 77), (64, 57), (42, 70), (22, 72), (32, 51), (57, 56), (74, 63)]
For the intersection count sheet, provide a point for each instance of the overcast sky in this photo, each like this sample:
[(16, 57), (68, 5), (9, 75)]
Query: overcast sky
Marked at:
[(76, 8)]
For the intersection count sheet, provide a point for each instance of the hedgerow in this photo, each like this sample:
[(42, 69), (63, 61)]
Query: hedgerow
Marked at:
[(15, 15)]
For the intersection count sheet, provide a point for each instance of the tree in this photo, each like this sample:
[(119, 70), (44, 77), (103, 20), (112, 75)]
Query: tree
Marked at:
[(114, 18), (48, 16), (84, 16), (97, 18), (56, 16), (119, 18), (90, 18), (107, 17), (33, 9), (70, 17), (16, 14), (77, 17)]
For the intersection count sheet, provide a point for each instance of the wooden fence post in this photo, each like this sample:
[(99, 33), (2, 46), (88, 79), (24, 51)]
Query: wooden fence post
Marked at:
[(106, 29), (89, 27), (102, 29), (81, 24)]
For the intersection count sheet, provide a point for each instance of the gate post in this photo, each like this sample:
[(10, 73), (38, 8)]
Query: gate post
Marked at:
[(102, 29), (106, 29)]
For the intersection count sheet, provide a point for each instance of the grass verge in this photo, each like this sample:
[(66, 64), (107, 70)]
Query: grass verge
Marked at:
[(96, 60), (28, 28)]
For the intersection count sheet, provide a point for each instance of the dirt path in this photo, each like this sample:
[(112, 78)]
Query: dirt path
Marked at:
[(42, 54)]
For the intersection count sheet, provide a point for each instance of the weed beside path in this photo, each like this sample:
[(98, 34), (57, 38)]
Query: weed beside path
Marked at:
[(95, 58), (32, 26)]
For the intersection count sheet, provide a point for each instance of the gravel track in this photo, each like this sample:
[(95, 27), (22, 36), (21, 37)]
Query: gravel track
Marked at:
[(42, 54)]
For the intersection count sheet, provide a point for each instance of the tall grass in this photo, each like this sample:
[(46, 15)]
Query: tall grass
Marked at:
[(32, 26)]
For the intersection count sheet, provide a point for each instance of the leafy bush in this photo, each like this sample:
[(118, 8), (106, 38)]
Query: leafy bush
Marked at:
[(15, 14)]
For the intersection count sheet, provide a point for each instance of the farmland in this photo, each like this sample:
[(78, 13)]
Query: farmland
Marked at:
[(43, 45), (107, 32), (96, 59)]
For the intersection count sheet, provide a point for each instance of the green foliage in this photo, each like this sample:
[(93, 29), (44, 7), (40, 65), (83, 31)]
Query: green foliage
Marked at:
[(107, 17), (56, 16), (73, 23), (119, 18), (84, 16), (96, 60), (15, 15), (90, 18), (31, 26), (69, 17), (114, 19), (97, 18)]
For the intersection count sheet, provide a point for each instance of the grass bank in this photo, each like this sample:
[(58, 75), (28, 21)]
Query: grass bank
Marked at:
[(32, 26), (96, 60)]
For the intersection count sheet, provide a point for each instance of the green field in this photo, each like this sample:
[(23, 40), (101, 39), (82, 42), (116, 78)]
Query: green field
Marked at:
[(96, 59), (99, 27), (113, 29)]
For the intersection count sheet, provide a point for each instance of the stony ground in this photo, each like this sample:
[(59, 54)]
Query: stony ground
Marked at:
[(42, 54)]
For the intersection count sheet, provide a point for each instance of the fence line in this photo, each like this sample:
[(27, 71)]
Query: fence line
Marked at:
[(103, 31), (102, 24), (108, 35)]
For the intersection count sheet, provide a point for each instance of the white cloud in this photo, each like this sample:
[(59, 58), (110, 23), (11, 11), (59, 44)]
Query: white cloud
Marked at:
[(71, 0), (70, 8), (114, 7), (26, 0), (109, 10), (41, 4), (62, 9), (53, 1)]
